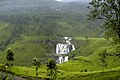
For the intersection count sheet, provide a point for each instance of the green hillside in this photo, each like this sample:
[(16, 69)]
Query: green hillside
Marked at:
[(29, 73), (87, 55), (28, 47), (87, 46), (86, 66), (32, 28), (35, 30), (85, 61)]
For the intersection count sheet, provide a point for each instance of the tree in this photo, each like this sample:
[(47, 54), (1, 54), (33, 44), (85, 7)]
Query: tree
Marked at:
[(52, 67), (103, 58), (36, 62), (109, 12), (10, 56)]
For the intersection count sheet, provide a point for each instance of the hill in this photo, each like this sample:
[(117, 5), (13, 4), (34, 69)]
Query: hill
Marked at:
[(32, 28), (87, 66), (87, 55)]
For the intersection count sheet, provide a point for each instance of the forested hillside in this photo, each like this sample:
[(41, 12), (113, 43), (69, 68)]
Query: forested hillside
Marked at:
[(34, 27), (59, 40)]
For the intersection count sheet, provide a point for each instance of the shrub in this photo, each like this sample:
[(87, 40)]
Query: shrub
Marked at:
[(85, 70)]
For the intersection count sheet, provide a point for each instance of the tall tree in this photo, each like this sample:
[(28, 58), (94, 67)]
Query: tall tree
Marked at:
[(36, 62), (109, 12), (52, 67), (103, 58), (10, 56)]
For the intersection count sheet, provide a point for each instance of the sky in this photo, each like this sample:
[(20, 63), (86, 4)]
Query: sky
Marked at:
[(74, 0)]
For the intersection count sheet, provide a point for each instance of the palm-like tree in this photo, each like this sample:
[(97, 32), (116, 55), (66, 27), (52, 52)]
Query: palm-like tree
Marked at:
[(36, 62), (52, 67)]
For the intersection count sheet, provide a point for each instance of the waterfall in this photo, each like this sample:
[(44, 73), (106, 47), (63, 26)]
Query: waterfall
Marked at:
[(63, 49)]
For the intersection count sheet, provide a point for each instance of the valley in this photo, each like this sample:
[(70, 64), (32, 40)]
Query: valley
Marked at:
[(35, 29)]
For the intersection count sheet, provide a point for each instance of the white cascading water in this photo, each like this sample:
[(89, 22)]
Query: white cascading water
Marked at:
[(64, 49)]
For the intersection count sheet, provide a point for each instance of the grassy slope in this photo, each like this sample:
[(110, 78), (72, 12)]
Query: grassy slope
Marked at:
[(26, 48), (4, 34), (111, 74), (90, 59), (88, 46), (71, 70)]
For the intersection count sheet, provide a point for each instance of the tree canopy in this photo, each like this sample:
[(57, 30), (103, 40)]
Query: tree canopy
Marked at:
[(36, 62), (109, 12), (52, 67), (10, 55)]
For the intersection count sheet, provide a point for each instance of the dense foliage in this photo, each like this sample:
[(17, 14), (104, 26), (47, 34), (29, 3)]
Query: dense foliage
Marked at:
[(52, 68), (109, 11), (36, 62), (46, 19), (41, 24)]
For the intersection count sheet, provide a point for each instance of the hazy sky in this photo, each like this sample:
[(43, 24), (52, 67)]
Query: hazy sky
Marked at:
[(74, 0)]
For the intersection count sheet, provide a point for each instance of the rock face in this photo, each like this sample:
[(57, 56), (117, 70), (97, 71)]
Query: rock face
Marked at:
[(63, 49)]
